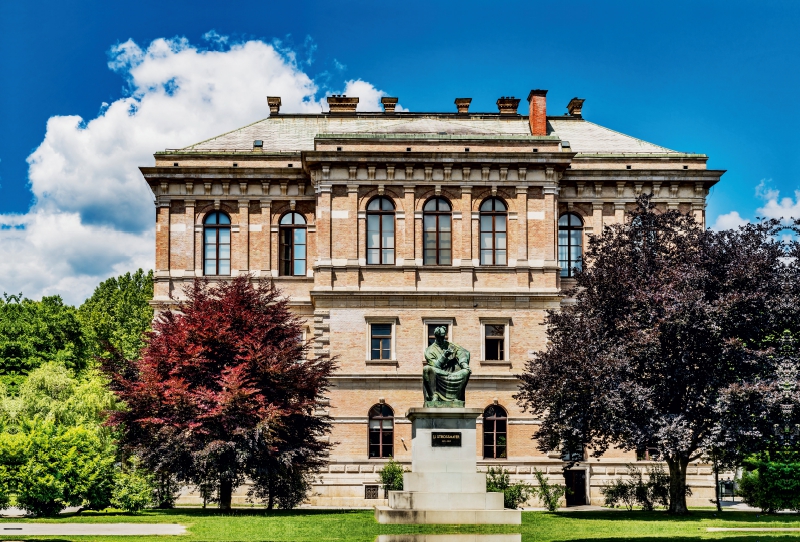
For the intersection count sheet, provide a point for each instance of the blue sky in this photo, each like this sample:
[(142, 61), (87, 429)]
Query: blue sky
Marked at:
[(719, 78)]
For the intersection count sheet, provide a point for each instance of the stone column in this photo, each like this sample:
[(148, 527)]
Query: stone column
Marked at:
[(356, 233), (619, 213), (266, 231), (244, 234), (522, 224), (698, 212), (162, 236), (324, 225), (408, 240), (597, 218), (189, 218), (551, 219)]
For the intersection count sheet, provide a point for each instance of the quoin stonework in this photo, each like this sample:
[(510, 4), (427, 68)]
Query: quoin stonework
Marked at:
[(382, 226)]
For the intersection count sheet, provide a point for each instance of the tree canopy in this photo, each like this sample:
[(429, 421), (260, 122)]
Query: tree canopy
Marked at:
[(665, 317), (225, 389)]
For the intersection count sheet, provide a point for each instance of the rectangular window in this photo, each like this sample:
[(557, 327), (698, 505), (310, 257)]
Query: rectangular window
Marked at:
[(370, 492), (381, 341), (495, 342)]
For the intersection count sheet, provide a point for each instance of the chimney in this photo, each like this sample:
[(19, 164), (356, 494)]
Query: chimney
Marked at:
[(574, 107), (462, 104), (507, 105), (388, 104), (274, 103), (339, 103), (537, 113)]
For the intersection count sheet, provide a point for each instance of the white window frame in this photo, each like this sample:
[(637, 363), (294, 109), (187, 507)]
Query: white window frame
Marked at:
[(392, 320), (506, 338), (449, 322)]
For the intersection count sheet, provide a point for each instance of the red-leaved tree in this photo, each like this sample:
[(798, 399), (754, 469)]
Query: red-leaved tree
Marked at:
[(225, 391)]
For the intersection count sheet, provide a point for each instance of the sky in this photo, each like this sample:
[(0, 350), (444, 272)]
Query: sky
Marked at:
[(91, 89)]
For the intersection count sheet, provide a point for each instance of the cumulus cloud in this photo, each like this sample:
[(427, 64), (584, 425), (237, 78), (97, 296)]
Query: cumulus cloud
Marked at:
[(93, 215), (774, 205), (369, 97), (729, 221)]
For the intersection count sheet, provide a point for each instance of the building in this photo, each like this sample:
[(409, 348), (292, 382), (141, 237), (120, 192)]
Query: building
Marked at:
[(381, 226)]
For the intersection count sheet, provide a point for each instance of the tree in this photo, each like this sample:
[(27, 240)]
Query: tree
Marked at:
[(225, 389), (118, 314), (666, 316), (35, 332)]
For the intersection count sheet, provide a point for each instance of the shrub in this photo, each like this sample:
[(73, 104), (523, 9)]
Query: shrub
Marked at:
[(514, 495), (133, 488), (391, 476), (549, 494), (635, 491), (772, 486)]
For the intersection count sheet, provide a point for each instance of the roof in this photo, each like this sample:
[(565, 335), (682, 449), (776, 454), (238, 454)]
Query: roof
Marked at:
[(293, 133)]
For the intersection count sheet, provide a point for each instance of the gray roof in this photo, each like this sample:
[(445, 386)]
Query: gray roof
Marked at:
[(292, 133)]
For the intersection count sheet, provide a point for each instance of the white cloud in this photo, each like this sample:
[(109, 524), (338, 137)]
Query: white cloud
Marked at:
[(369, 97), (93, 215), (775, 206), (729, 221)]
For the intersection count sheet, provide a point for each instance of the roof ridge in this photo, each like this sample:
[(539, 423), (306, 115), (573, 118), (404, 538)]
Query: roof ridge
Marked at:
[(632, 137), (225, 133)]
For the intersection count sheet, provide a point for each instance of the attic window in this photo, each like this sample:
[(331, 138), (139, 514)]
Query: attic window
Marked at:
[(627, 167), (466, 149), (258, 143), (685, 167), (535, 150), (291, 165), (175, 164), (338, 148), (408, 149), (235, 164), (565, 144)]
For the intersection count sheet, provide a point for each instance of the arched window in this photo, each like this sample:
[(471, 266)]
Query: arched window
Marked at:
[(570, 244), (381, 431), (293, 244), (217, 244), (437, 236), (380, 231), (493, 232), (495, 421)]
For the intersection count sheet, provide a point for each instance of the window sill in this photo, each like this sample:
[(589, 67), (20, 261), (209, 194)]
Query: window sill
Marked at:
[(391, 362), (495, 363), (293, 277)]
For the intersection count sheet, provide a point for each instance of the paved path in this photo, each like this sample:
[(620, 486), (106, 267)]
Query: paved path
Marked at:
[(96, 529)]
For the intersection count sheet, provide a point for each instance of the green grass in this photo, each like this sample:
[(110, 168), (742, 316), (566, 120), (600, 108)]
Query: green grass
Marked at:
[(360, 526)]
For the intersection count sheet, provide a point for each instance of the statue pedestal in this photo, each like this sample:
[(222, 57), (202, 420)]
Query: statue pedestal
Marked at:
[(444, 485)]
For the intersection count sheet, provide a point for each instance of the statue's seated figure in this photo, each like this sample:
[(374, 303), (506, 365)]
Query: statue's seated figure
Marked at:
[(446, 372)]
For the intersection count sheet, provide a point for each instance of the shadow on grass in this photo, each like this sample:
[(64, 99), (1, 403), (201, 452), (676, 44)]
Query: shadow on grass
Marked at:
[(694, 516)]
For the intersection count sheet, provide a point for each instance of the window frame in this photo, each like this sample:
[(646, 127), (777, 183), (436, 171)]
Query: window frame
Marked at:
[(493, 232), (390, 320), (437, 214), (494, 432), (381, 213), (381, 431), (449, 322), (217, 227), (282, 228), (507, 323), (569, 271)]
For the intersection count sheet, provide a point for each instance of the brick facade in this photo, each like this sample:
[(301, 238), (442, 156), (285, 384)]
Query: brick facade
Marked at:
[(329, 178)]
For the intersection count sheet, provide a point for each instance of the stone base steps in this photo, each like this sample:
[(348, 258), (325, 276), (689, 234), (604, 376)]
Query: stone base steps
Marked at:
[(384, 514)]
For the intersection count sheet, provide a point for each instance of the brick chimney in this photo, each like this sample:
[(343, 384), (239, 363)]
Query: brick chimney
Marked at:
[(339, 103), (388, 104), (537, 112), (274, 103), (462, 104), (574, 107)]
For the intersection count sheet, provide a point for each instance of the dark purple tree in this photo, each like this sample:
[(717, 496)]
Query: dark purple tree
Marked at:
[(225, 390), (666, 317)]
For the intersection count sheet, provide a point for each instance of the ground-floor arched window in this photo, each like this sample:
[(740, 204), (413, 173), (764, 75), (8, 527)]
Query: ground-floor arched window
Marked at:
[(381, 431)]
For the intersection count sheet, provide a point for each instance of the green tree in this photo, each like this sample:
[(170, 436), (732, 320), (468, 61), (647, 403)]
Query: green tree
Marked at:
[(118, 314), (133, 488), (35, 332)]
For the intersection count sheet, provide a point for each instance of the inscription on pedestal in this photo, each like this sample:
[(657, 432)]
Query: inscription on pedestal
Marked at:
[(446, 439)]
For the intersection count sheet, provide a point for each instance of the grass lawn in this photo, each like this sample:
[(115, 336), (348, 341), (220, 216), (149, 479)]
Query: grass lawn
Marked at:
[(360, 526)]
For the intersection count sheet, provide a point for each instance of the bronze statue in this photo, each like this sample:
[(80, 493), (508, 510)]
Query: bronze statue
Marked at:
[(446, 372)]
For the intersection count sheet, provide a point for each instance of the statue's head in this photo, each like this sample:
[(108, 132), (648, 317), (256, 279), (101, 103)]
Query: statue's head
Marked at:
[(440, 333)]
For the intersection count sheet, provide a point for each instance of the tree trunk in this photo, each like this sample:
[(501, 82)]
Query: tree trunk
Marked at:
[(225, 494), (716, 483), (271, 499), (677, 485)]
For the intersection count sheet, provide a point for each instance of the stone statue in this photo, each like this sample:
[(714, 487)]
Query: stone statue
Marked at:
[(446, 372)]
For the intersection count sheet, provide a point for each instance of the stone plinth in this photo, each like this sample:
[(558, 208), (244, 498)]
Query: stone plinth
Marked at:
[(444, 485)]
